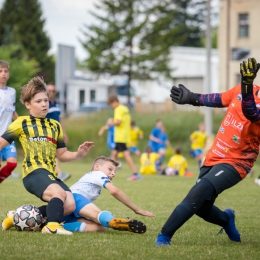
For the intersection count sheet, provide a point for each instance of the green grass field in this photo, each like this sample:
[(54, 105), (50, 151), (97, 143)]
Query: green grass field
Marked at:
[(159, 194)]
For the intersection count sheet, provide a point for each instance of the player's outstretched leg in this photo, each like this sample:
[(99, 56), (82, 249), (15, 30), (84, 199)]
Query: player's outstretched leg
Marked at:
[(230, 228), (8, 222), (131, 225), (55, 228), (162, 240)]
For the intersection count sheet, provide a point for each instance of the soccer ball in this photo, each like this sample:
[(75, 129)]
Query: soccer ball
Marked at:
[(27, 218), (169, 171)]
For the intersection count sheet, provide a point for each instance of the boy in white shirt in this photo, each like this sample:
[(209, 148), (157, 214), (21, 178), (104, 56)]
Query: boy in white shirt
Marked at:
[(87, 190)]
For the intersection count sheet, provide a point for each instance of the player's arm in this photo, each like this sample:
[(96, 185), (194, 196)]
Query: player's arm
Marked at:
[(248, 71), (15, 116), (66, 156), (122, 197), (155, 139), (181, 95), (102, 130)]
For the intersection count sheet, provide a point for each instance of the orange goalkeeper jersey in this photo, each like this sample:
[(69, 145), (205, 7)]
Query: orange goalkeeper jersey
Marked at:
[(237, 141)]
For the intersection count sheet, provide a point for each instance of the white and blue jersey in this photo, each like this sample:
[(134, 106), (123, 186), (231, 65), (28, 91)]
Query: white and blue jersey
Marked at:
[(90, 185), (7, 109), (54, 111)]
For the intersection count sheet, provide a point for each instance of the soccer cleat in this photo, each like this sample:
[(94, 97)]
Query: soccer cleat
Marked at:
[(230, 228), (135, 177), (8, 222), (162, 240), (131, 225), (55, 228)]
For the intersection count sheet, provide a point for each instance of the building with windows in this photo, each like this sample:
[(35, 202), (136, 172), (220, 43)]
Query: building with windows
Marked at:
[(238, 38)]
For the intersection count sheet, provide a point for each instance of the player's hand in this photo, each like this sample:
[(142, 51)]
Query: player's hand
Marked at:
[(144, 213), (84, 149), (248, 71), (181, 95)]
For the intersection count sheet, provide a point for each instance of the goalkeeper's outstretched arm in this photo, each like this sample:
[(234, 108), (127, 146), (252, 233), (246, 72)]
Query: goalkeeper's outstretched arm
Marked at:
[(181, 95)]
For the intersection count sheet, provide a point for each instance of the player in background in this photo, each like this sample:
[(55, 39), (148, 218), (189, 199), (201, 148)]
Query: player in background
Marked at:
[(231, 157), (163, 145), (198, 140), (7, 114), (148, 161), (54, 113), (121, 121), (42, 140), (158, 141), (110, 133), (177, 164)]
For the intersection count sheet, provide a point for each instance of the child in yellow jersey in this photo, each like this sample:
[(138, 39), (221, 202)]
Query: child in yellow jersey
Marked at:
[(42, 140), (135, 134), (177, 164), (198, 140), (148, 161)]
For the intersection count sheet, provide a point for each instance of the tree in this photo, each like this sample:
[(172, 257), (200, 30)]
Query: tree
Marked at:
[(135, 37), (21, 70), (21, 23)]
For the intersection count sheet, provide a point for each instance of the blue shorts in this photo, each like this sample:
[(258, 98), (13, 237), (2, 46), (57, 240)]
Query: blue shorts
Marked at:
[(132, 149), (8, 151), (196, 152), (80, 202)]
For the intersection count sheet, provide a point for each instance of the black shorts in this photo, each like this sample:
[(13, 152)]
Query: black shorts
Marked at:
[(37, 182), (222, 176), (120, 147)]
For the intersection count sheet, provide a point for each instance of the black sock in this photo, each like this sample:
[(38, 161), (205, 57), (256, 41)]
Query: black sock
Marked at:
[(43, 211), (55, 210)]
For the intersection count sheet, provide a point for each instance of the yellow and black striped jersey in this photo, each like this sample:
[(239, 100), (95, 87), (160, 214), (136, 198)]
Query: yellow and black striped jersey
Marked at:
[(40, 138)]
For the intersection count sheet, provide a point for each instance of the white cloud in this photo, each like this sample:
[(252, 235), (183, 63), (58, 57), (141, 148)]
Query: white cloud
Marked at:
[(64, 18)]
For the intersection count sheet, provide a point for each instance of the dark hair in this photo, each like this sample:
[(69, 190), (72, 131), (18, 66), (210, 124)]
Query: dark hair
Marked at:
[(178, 150), (112, 99)]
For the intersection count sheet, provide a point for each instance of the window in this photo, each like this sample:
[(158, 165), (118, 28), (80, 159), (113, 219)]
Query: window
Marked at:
[(92, 95), (243, 20), (81, 97)]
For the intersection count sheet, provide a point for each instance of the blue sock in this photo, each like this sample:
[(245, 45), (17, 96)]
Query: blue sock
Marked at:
[(75, 226), (104, 217)]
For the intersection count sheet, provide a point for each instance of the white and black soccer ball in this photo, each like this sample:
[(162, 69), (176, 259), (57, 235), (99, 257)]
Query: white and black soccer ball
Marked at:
[(27, 218)]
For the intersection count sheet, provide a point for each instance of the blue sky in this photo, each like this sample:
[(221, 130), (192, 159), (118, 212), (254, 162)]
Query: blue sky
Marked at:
[(64, 18)]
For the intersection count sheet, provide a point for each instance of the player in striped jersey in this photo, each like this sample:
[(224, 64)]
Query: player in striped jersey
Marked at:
[(42, 140)]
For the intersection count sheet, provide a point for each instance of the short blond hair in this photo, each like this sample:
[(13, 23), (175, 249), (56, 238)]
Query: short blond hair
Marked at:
[(101, 160), (34, 86), (4, 64)]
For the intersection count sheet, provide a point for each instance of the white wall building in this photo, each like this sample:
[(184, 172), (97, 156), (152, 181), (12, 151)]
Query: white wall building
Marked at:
[(188, 68)]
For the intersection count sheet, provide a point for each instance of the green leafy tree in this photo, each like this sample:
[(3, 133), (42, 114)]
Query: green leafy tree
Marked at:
[(21, 23), (21, 70), (134, 38), (114, 43)]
